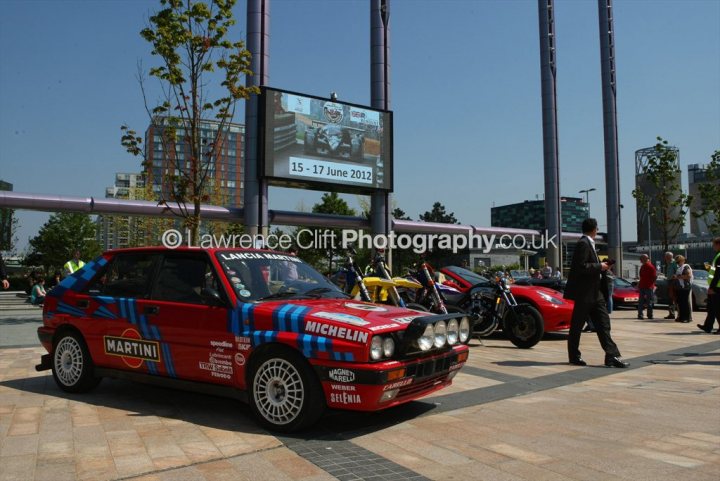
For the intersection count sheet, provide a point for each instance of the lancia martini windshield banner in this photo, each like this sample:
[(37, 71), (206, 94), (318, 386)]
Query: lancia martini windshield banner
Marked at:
[(312, 142)]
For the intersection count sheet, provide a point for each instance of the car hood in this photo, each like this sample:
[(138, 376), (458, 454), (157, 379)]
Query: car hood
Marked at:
[(356, 316)]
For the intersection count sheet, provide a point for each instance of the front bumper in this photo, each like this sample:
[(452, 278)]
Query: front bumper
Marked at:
[(376, 386)]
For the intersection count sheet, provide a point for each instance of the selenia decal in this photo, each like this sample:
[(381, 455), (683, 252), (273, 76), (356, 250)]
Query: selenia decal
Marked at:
[(341, 317), (132, 348)]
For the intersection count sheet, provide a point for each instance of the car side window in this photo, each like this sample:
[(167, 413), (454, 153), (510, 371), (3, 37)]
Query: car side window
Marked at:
[(127, 275), (183, 277)]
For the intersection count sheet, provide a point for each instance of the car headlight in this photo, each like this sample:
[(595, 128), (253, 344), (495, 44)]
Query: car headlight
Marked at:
[(550, 299), (440, 333), (464, 333), (452, 332), (376, 348), (426, 341), (388, 346)]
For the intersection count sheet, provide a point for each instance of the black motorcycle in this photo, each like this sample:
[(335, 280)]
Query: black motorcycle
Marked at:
[(494, 307)]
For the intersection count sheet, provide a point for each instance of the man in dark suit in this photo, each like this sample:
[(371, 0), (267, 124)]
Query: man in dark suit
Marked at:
[(587, 286)]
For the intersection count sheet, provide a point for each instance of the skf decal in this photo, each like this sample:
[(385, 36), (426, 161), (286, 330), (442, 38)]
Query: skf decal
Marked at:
[(341, 317), (132, 348), (244, 347), (397, 384), (341, 375), (335, 331), (365, 307)]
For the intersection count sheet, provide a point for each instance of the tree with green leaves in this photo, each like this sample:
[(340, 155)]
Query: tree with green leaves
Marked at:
[(439, 214), (710, 195), (668, 204), (191, 40), (321, 257), (439, 257), (59, 238)]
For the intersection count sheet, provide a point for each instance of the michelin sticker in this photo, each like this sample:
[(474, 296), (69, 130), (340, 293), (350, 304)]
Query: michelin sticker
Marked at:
[(365, 307), (341, 317)]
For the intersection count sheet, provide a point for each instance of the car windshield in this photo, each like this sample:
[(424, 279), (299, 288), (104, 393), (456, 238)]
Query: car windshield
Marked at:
[(265, 275), (467, 275), (618, 282)]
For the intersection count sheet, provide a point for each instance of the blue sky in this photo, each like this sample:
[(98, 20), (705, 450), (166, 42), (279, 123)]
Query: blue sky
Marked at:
[(465, 93)]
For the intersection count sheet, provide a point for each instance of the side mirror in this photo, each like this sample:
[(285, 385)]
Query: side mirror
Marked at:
[(211, 297)]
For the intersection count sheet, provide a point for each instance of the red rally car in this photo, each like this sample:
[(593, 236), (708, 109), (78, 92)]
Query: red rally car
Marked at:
[(256, 325)]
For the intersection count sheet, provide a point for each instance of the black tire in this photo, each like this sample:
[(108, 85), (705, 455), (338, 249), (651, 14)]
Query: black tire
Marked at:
[(72, 366), (523, 325), (285, 394)]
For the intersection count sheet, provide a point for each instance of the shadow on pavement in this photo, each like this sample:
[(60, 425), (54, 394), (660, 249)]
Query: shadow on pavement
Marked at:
[(529, 363)]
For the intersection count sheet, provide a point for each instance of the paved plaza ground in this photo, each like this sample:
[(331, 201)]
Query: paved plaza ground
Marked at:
[(511, 415)]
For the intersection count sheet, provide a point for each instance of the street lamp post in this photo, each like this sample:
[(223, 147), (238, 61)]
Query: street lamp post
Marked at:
[(587, 197)]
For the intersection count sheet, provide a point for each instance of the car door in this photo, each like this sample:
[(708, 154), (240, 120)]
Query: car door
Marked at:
[(190, 321), (116, 302)]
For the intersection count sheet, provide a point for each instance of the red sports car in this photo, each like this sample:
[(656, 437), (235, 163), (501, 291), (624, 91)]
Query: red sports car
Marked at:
[(624, 293), (555, 310), (257, 325)]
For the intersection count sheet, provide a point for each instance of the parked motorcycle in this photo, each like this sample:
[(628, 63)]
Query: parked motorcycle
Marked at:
[(491, 304)]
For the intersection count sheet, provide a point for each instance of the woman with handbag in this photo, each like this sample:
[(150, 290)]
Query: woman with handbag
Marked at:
[(683, 285)]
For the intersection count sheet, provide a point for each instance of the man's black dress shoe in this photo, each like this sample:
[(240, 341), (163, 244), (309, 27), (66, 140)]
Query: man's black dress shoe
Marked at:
[(702, 328), (615, 362), (578, 362)]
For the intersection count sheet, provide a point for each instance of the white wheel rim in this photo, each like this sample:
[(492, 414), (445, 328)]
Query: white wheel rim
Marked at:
[(68, 361), (278, 391)]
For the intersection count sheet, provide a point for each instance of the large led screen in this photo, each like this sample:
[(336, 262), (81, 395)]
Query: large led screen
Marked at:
[(313, 142)]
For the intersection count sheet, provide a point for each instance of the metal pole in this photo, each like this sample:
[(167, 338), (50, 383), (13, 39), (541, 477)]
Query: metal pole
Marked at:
[(380, 217), (649, 237), (255, 190), (548, 71), (609, 93)]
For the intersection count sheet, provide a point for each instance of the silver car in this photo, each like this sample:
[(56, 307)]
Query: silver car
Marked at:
[(699, 290)]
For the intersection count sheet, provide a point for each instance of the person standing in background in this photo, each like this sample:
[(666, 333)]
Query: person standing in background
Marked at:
[(646, 285), (713, 300), (3, 274), (74, 264), (669, 268)]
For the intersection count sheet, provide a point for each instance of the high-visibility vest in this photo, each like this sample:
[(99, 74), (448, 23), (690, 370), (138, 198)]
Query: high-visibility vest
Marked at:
[(711, 271), (71, 266)]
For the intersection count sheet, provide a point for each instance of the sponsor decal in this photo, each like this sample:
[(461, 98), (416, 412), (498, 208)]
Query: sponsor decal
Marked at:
[(242, 340), (219, 363), (397, 384), (365, 307), (258, 255), (244, 347), (456, 366), (407, 319), (132, 348), (345, 398), (333, 112), (239, 359), (221, 344), (348, 334), (383, 326), (342, 387), (341, 375), (342, 317)]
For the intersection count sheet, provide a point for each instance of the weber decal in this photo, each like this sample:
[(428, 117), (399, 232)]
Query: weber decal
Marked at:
[(328, 330), (132, 348), (341, 317), (406, 319), (383, 326), (341, 375)]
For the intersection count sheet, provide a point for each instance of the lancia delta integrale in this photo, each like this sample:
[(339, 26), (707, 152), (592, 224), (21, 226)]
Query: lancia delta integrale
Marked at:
[(257, 325)]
